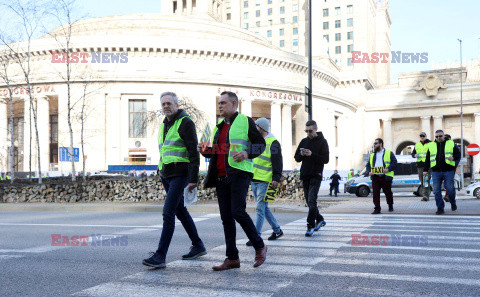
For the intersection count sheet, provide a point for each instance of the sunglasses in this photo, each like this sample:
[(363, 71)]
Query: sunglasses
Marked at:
[(423, 136), (375, 143), (309, 131), (439, 136)]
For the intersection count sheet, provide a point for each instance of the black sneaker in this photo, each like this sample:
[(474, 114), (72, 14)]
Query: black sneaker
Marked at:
[(454, 206), (194, 253), (390, 208), (275, 236), (440, 211), (376, 211), (154, 261), (249, 243), (319, 225)]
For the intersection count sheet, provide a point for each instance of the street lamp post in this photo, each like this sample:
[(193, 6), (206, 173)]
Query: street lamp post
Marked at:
[(461, 115), (310, 69)]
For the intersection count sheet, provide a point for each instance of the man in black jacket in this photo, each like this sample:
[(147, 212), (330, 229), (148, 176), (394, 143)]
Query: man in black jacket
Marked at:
[(442, 157), (179, 163), (420, 152), (314, 154), (236, 142), (335, 182)]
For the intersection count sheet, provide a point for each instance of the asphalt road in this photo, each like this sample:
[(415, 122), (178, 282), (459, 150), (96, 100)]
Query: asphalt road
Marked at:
[(424, 255)]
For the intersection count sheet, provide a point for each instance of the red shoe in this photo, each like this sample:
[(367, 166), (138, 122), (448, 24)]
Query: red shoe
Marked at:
[(260, 256), (227, 264)]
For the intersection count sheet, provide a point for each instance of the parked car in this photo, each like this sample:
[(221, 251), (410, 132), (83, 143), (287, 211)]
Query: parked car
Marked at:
[(474, 190), (404, 180)]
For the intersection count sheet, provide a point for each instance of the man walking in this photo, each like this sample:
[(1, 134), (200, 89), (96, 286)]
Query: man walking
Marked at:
[(351, 174), (442, 155), (335, 182), (381, 170), (420, 152), (236, 141), (314, 154), (178, 168), (267, 168)]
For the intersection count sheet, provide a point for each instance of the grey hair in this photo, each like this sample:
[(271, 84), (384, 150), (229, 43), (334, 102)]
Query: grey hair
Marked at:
[(231, 96), (174, 96)]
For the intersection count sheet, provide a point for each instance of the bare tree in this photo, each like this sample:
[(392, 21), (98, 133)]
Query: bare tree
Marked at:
[(29, 14), (4, 76)]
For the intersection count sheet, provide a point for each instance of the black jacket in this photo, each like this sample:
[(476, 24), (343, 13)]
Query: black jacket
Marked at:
[(335, 179), (393, 165), (440, 158), (187, 132), (313, 166), (257, 148), (277, 162), (420, 164)]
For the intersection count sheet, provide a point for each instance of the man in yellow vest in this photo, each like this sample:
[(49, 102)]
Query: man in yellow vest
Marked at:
[(179, 163), (267, 168), (351, 173), (442, 156), (381, 167), (420, 152), (236, 142)]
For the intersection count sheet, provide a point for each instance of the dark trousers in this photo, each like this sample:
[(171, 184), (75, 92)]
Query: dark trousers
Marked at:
[(379, 182), (310, 190), (232, 194), (174, 206), (334, 187)]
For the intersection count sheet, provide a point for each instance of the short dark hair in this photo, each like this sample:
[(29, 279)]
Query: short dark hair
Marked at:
[(311, 123), (448, 137), (231, 96), (439, 130), (379, 140)]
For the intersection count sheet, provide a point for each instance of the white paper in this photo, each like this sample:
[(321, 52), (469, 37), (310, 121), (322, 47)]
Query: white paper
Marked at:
[(189, 197)]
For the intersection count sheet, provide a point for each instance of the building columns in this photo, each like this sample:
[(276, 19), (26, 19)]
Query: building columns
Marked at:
[(276, 120), (43, 123), (113, 129), (437, 123), (26, 136), (246, 107), (426, 126), (189, 7), (4, 145), (287, 136), (387, 134), (180, 7)]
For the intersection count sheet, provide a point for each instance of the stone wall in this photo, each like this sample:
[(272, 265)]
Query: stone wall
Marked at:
[(121, 189)]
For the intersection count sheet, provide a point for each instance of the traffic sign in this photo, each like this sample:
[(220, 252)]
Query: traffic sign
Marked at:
[(66, 155), (473, 149)]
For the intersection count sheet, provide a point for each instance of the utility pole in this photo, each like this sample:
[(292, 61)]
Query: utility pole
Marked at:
[(308, 90), (461, 115)]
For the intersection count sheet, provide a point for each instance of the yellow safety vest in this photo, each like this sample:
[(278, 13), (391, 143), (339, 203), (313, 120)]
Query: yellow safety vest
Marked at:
[(172, 148), (239, 141), (350, 175), (448, 153), (386, 160), (262, 165), (421, 150)]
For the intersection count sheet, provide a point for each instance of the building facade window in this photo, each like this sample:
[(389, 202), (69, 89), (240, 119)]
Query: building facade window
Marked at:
[(270, 22), (270, 1), (350, 35), (282, 32), (326, 37), (282, 20), (338, 49), (229, 16), (338, 23), (349, 22), (337, 11), (349, 62), (269, 33), (259, 2), (349, 8), (338, 36), (295, 31), (245, 26), (137, 115), (350, 48), (325, 12), (257, 13), (295, 42), (325, 25), (282, 9), (295, 8), (282, 43), (245, 15), (245, 4), (257, 24), (295, 19), (270, 11)]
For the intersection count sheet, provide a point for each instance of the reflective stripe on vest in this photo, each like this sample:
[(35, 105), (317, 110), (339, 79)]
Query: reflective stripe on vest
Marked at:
[(262, 165), (449, 145), (386, 160), (239, 141), (172, 148), (421, 150)]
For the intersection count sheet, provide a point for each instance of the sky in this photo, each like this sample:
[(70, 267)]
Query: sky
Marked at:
[(418, 26)]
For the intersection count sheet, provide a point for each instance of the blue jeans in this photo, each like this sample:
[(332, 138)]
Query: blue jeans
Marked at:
[(263, 211), (447, 177), (174, 206)]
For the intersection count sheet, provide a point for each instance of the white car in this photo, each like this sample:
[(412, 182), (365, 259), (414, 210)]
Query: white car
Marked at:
[(474, 190)]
